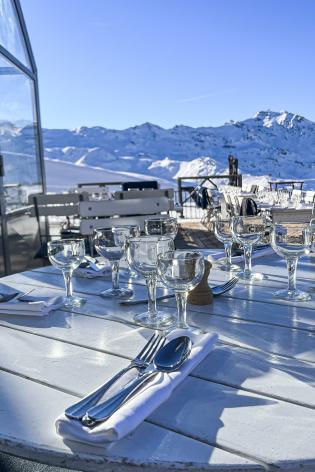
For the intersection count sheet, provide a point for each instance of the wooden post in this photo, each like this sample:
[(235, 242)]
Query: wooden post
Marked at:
[(180, 195)]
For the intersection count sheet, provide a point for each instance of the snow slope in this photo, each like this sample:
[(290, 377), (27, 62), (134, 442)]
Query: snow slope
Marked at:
[(62, 176)]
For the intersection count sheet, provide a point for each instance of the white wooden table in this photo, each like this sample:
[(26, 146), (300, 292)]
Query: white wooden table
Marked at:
[(249, 406)]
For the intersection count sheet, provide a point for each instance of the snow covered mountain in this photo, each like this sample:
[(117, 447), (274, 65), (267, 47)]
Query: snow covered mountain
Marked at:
[(280, 144)]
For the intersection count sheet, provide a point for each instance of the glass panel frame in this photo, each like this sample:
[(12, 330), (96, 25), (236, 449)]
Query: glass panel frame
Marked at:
[(11, 33)]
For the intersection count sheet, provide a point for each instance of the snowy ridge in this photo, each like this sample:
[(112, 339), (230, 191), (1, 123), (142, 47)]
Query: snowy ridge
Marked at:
[(280, 144)]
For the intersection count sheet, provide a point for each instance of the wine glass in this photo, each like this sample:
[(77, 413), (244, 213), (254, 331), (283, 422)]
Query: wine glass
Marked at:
[(67, 255), (248, 231), (223, 232), (110, 243), (142, 255), (126, 232), (181, 270), (161, 226), (291, 241)]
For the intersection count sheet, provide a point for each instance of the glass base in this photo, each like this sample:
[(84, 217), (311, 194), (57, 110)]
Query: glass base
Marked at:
[(117, 293), (72, 302), (245, 275), (294, 295), (157, 320), (228, 267), (190, 329)]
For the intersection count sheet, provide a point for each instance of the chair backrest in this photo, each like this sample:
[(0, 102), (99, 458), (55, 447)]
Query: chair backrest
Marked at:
[(56, 204), (100, 190), (248, 207), (107, 213), (140, 185), (254, 188), (132, 194)]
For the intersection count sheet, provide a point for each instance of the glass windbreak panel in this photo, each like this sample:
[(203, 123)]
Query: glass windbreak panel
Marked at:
[(11, 37), (18, 137)]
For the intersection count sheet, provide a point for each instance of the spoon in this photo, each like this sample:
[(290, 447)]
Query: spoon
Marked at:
[(169, 358)]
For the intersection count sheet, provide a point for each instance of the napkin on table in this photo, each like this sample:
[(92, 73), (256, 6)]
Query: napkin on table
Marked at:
[(99, 269), (142, 404), (31, 306)]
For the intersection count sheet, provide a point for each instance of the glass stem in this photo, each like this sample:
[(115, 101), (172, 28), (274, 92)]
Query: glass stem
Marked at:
[(181, 300), (67, 275), (292, 265), (248, 257), (151, 286), (228, 253), (115, 274)]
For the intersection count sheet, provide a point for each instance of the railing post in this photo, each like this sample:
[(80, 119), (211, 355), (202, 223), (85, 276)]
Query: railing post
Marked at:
[(180, 195)]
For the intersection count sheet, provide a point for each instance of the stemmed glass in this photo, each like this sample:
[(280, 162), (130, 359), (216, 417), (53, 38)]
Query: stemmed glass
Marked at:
[(161, 226), (181, 270), (126, 232), (67, 255), (111, 244), (248, 231), (142, 256), (291, 241), (223, 232)]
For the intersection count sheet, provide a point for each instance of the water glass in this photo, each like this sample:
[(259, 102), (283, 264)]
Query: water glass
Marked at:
[(110, 243), (248, 231), (67, 255), (161, 226), (142, 256), (291, 241), (181, 271), (223, 232)]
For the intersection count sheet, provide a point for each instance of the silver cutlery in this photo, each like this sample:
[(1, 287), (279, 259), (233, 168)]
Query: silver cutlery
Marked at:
[(145, 300), (168, 359), (217, 290), (15, 296), (220, 289), (141, 361)]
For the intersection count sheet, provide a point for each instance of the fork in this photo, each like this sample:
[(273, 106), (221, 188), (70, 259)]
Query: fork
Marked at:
[(217, 290), (220, 289), (15, 296), (141, 361)]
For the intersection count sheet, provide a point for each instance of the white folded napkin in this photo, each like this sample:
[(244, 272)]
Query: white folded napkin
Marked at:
[(141, 405), (91, 273), (100, 270), (217, 254), (34, 306)]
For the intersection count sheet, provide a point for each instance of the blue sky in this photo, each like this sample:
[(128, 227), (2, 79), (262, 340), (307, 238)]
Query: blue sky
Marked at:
[(118, 63)]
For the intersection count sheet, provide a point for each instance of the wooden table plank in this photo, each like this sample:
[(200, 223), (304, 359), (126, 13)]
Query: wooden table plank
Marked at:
[(27, 415), (280, 340), (209, 404), (287, 379)]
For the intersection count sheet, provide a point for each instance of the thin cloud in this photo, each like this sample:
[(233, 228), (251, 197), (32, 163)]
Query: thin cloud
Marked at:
[(205, 96)]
